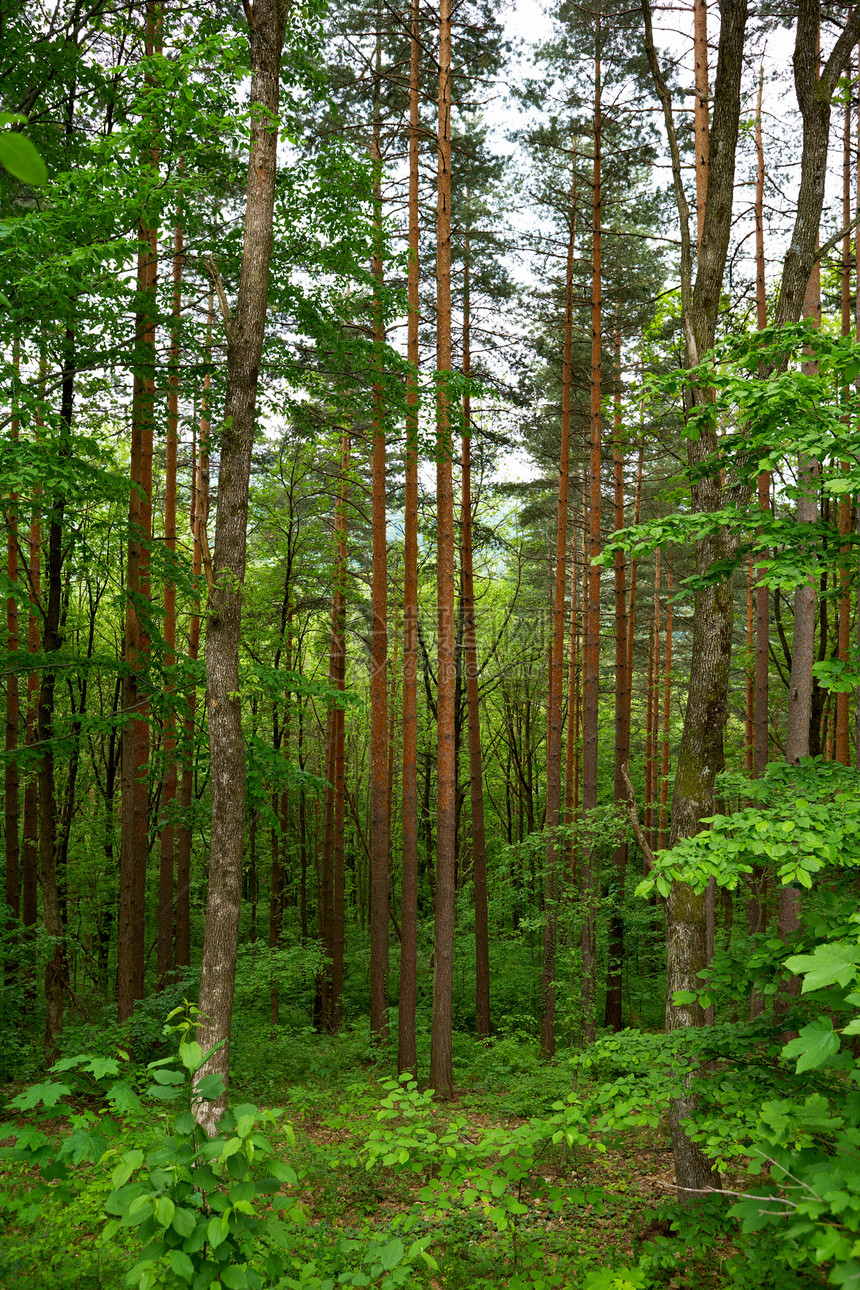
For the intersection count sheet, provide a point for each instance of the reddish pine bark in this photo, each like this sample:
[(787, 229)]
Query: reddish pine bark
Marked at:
[(749, 686), (379, 817), (667, 714), (615, 970), (11, 805), (406, 1053), (591, 682), (842, 750), (30, 829), (441, 1072), (169, 778), (336, 930), (470, 650), (555, 694)]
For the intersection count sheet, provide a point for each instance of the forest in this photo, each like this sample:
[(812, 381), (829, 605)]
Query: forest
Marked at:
[(430, 465)]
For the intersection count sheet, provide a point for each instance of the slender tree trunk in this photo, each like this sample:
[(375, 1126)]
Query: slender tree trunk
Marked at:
[(842, 751), (30, 831), (615, 969), (757, 891), (799, 715), (199, 526), (555, 711), (591, 686), (476, 775), (134, 840), (406, 1053), (245, 334), (379, 816), (52, 642), (667, 715), (11, 785), (336, 931), (701, 117), (169, 778), (441, 1072)]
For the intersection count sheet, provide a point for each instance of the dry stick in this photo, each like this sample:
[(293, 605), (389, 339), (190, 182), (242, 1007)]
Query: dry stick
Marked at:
[(648, 857)]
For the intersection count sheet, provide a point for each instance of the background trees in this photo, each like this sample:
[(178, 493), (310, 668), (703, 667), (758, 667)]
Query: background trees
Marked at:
[(405, 759)]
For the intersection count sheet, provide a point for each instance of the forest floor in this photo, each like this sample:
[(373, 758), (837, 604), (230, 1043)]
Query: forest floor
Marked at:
[(572, 1216)]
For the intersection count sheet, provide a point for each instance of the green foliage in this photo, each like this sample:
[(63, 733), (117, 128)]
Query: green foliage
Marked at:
[(18, 154)]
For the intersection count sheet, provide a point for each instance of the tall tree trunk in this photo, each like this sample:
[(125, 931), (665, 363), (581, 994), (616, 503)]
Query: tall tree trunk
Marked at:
[(757, 891), (555, 695), (336, 929), (30, 830), (441, 1072), (406, 1053), (135, 737), (476, 775), (169, 776), (615, 968), (591, 686), (245, 334), (842, 751), (799, 716), (11, 786), (701, 116), (199, 519), (52, 642), (379, 818), (667, 715)]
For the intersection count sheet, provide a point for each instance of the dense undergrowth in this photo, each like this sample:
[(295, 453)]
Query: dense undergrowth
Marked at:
[(537, 1175)]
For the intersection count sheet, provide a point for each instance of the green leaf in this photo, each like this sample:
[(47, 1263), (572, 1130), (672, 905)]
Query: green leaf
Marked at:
[(191, 1056), (234, 1278), (832, 963), (129, 1161), (184, 1221), (217, 1230), (185, 1123), (164, 1211), (210, 1087), (47, 1094), (813, 1047), (391, 1254), (123, 1097), (284, 1173), (181, 1265), (168, 1077), (21, 158)]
